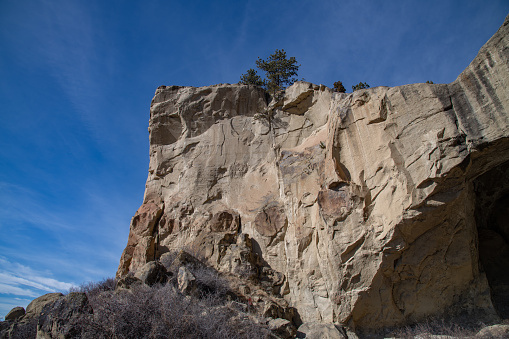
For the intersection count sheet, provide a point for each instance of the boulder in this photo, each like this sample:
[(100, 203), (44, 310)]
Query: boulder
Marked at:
[(127, 281), (26, 326), (282, 328), (494, 331), (321, 331), (15, 313), (65, 318), (273, 309), (186, 281), (35, 307), (166, 259), (184, 259), (152, 273)]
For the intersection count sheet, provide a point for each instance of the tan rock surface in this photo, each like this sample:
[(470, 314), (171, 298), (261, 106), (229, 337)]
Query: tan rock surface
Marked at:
[(15, 313), (35, 307), (363, 209)]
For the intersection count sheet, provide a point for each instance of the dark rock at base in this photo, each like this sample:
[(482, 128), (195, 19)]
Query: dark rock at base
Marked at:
[(152, 273), (26, 326), (127, 281), (321, 331), (65, 318), (185, 259), (282, 328)]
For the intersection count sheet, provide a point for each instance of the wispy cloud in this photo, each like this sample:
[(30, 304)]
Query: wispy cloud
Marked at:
[(40, 283), (25, 282), (45, 229), (9, 289), (22, 280)]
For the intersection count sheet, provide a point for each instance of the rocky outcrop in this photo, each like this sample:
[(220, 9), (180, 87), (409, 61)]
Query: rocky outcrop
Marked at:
[(15, 314), (65, 318), (370, 209), (35, 307), (21, 324)]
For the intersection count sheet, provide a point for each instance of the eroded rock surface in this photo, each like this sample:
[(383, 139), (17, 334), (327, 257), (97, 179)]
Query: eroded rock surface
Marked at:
[(64, 318), (361, 209)]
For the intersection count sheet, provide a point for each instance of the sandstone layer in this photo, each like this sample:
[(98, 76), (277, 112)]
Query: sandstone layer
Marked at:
[(375, 208)]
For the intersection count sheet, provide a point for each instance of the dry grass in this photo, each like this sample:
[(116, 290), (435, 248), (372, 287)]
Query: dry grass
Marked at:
[(431, 328)]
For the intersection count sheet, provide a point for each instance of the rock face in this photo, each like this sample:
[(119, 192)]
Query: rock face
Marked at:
[(369, 209), (64, 318)]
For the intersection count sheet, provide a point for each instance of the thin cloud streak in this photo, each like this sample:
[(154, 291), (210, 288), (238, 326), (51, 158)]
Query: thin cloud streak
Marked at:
[(23, 281), (16, 275), (9, 289), (20, 280), (40, 283), (67, 231)]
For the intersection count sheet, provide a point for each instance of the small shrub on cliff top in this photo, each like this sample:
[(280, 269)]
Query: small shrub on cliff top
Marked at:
[(360, 85), (251, 78), (338, 87)]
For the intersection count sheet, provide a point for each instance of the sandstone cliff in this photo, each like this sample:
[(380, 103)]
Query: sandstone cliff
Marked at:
[(371, 209)]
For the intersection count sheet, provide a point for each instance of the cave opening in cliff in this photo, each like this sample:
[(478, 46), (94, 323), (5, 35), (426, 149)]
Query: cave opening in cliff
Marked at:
[(492, 219)]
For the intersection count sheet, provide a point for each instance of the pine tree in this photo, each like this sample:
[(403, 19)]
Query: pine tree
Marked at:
[(279, 70), (360, 85), (251, 78), (338, 87)]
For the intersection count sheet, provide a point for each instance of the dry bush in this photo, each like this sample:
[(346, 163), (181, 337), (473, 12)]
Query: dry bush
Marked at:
[(93, 288), (162, 312), (210, 282)]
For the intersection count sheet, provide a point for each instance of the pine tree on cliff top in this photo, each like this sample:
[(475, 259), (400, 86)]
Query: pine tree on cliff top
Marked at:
[(279, 70), (251, 78)]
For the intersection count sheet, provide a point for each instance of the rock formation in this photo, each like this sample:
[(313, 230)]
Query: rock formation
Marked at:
[(375, 208)]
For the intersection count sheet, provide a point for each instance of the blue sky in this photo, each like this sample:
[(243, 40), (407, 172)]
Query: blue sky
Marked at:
[(77, 77)]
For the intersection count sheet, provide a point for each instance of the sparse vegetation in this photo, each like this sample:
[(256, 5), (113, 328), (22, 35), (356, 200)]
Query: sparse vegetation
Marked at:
[(161, 311), (360, 85), (429, 82), (94, 288), (251, 78), (338, 87), (158, 311), (279, 72), (431, 328)]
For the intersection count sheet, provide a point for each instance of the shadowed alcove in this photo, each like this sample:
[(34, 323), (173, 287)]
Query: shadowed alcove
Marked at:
[(492, 219)]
